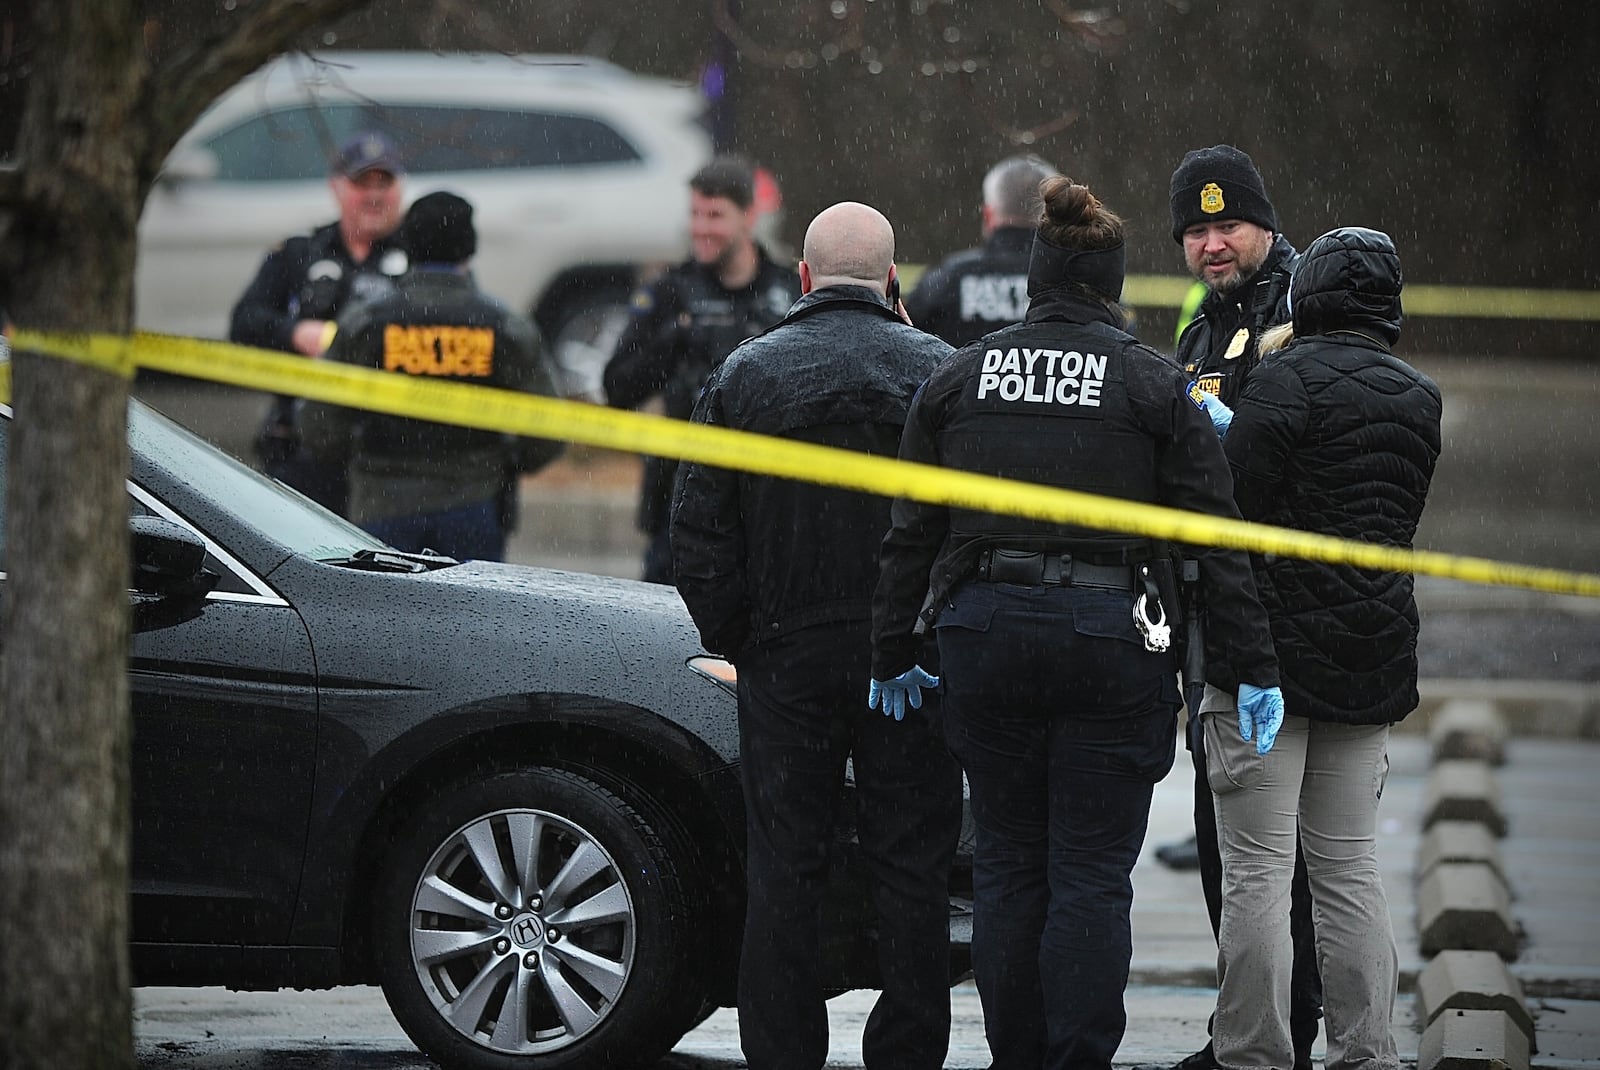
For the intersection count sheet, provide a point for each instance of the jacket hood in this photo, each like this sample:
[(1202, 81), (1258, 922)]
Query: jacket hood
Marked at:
[(1348, 279)]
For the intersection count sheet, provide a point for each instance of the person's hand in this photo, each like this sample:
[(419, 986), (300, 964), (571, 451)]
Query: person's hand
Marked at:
[(311, 337), (1260, 714), (1221, 415), (892, 694)]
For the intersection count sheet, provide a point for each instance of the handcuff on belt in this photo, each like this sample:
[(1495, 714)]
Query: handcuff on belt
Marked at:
[(1157, 632)]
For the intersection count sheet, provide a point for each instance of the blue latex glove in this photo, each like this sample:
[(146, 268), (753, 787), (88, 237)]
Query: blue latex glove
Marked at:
[(1260, 713), (894, 693), (1221, 415)]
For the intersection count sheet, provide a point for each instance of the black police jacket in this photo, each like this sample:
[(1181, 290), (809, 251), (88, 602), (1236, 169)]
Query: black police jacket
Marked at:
[(309, 277), (1336, 435), (757, 557), (683, 325), (975, 292), (439, 326), (1222, 343), (1066, 400)]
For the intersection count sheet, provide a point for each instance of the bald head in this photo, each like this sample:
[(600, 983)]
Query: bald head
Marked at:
[(848, 244)]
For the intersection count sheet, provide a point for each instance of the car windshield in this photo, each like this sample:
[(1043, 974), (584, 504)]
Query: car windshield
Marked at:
[(284, 515)]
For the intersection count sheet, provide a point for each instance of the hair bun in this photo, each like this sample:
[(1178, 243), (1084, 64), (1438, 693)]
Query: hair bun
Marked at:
[(1067, 204)]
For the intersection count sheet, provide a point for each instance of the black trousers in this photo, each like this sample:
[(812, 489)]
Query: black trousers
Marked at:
[(1305, 989), (1064, 723), (802, 713)]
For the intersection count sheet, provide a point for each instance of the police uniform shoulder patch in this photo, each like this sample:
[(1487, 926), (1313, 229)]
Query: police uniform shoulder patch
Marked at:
[(1196, 395), (1237, 344), (1211, 199), (394, 262)]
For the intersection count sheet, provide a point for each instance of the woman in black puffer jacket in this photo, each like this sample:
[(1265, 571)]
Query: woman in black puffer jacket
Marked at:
[(1336, 435)]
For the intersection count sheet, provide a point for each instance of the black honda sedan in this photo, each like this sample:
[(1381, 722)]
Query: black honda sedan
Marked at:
[(509, 795)]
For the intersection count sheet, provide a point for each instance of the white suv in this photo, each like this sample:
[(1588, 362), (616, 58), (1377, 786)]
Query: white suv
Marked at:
[(578, 171)]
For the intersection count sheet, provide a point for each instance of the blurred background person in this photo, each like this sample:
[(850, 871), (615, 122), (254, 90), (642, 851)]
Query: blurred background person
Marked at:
[(303, 285), (415, 484), (687, 321), (971, 293)]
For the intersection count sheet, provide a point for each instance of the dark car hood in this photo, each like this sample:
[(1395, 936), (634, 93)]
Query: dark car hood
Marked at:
[(486, 630)]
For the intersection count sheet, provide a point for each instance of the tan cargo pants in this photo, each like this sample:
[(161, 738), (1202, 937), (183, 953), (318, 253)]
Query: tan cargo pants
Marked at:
[(1328, 778)]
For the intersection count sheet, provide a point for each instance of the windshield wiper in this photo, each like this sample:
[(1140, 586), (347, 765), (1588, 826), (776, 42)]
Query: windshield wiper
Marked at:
[(392, 561)]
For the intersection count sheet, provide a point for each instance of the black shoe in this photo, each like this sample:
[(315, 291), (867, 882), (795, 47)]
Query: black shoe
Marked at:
[(1204, 1059), (1185, 855)]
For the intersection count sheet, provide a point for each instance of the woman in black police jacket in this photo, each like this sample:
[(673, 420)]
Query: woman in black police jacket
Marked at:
[(1061, 715), (1336, 435)]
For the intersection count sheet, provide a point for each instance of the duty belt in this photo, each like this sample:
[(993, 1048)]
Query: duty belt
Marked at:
[(1035, 568)]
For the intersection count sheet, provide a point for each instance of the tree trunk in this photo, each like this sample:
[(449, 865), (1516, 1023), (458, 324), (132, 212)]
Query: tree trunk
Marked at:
[(98, 115), (64, 995), (64, 734)]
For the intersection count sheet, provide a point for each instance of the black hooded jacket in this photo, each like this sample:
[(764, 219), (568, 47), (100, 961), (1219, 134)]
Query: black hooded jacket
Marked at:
[(1336, 435), (757, 557)]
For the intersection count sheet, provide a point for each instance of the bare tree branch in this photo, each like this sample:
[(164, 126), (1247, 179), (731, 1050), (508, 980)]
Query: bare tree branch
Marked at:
[(191, 79), (1097, 28)]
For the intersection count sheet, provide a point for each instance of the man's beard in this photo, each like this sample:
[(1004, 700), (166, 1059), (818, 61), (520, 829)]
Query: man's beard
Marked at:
[(1244, 271)]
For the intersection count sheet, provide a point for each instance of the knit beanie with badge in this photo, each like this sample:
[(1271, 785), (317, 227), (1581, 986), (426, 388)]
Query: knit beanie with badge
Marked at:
[(438, 229), (1219, 183)]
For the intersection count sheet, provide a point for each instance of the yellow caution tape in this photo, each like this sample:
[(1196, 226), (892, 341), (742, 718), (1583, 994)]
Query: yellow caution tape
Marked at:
[(1467, 302), (1488, 302), (107, 352), (495, 409)]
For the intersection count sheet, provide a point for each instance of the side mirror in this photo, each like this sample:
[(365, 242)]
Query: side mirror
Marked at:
[(190, 163), (167, 558)]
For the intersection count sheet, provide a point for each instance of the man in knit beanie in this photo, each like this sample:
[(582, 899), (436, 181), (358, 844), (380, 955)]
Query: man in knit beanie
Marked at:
[(1228, 228), (1222, 217)]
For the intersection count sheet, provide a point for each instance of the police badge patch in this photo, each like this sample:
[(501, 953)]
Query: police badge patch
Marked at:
[(1211, 199)]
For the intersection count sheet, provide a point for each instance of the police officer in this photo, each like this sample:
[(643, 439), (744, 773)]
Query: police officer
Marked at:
[(414, 483), (692, 317), (1058, 677), (778, 575), (303, 285), (971, 293), (1229, 232), (1228, 229)]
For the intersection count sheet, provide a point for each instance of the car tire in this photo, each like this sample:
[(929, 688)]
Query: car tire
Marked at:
[(535, 919), (584, 338)]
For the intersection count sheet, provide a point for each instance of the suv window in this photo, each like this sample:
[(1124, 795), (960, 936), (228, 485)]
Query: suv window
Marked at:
[(290, 144)]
